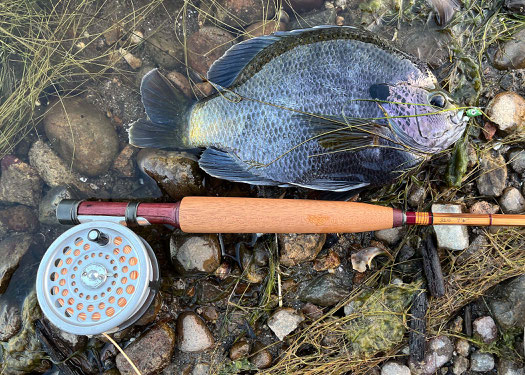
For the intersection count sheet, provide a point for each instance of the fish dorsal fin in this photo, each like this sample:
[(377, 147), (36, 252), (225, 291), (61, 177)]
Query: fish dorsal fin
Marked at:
[(225, 70)]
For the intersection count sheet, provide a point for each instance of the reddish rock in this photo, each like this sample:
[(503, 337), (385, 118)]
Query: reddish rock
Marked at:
[(181, 82), (207, 45), (263, 28)]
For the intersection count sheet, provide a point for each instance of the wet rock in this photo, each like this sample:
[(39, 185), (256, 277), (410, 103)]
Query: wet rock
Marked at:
[(195, 253), (390, 236), (323, 17), (203, 90), (19, 182), (252, 272), (512, 202), (263, 28), (176, 173), (299, 248), (192, 333), (48, 206), (206, 46), (180, 81), (152, 312), (284, 321), (425, 41), (53, 169), (201, 369), (73, 342), (164, 48), (463, 347), (325, 290), (240, 350), (450, 237), (508, 303), (124, 163), (440, 350), (507, 110), (133, 61), (312, 311), (18, 219), (512, 54), (460, 365), (10, 321), (417, 196), (12, 249), (261, 357), (517, 160), (517, 6), (209, 313), (507, 367), (301, 6), (22, 353), (394, 368), (243, 12), (485, 328), (493, 175), (328, 262), (151, 352), (481, 362), (82, 135)]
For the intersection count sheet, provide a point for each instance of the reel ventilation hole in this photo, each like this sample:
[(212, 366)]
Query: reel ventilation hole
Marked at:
[(96, 277)]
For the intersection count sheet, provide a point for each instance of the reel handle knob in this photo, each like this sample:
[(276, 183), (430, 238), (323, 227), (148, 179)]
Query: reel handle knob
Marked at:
[(94, 235)]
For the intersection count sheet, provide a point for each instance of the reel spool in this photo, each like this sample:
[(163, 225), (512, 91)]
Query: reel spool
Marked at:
[(96, 277)]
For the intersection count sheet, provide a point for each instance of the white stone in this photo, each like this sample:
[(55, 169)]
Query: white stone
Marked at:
[(394, 368), (390, 236), (486, 328), (450, 237), (481, 362), (284, 321)]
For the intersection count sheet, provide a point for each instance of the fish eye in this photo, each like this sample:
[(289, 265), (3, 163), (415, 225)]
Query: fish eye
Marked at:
[(437, 100)]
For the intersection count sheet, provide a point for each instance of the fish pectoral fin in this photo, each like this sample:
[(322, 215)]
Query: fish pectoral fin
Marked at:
[(342, 133), (222, 164)]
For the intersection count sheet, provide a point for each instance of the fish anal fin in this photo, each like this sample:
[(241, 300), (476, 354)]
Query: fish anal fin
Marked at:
[(221, 164)]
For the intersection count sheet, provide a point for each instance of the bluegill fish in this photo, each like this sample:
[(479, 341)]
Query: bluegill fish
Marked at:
[(327, 108)]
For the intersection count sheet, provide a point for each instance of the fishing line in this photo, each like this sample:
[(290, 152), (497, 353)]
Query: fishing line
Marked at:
[(122, 352)]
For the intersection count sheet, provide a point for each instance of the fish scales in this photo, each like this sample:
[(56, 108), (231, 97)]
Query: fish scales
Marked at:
[(268, 125)]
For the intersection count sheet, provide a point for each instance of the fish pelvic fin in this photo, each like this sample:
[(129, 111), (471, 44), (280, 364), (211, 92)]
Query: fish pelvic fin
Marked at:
[(168, 111)]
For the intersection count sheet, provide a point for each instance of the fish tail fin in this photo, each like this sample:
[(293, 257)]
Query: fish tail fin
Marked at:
[(168, 110)]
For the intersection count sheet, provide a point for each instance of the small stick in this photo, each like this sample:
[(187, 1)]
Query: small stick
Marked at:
[(432, 268), (418, 327)]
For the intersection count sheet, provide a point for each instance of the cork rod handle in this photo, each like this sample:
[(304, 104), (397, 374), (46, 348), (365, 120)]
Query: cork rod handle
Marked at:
[(258, 215)]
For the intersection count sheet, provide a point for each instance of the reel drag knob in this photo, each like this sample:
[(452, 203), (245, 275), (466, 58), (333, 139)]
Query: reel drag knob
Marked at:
[(96, 277)]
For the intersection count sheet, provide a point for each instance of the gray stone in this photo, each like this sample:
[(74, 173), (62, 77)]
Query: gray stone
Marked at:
[(479, 242), (10, 321), (74, 342), (176, 173), (192, 333), (12, 249), (390, 236), (507, 367), (240, 350), (151, 352), (243, 12), (325, 290), (18, 219), (417, 196), (512, 202), (207, 45), (463, 347), (284, 321), (426, 41), (195, 253), (485, 328), (299, 248), (164, 48), (261, 357), (201, 369), (54, 170), (82, 135), (19, 182), (321, 17), (481, 362), (512, 54), (394, 368), (507, 110), (460, 365), (252, 271), (517, 160), (439, 352), (48, 206), (507, 303), (493, 174), (450, 237)]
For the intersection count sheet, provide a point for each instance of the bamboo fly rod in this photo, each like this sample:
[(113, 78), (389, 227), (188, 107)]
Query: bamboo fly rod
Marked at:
[(261, 215)]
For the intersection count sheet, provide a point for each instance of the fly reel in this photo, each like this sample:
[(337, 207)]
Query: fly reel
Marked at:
[(96, 277)]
